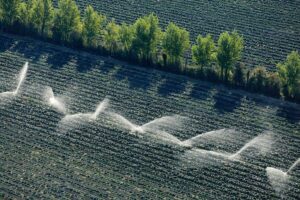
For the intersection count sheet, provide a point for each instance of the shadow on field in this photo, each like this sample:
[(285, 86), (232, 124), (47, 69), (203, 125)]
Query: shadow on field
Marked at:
[(6, 43), (200, 91), (59, 59), (28, 49), (85, 63), (292, 114), (135, 78), (225, 101), (170, 86)]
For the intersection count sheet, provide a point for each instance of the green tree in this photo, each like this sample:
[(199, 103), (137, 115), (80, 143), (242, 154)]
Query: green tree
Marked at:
[(239, 74), (92, 27), (42, 16), (112, 36), (67, 23), (203, 51), (175, 42), (258, 78), (9, 11), (272, 84), (24, 14), (230, 47), (147, 36), (126, 37), (289, 73)]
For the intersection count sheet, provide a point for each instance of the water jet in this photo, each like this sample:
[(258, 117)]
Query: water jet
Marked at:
[(21, 78), (153, 129), (71, 120), (53, 101)]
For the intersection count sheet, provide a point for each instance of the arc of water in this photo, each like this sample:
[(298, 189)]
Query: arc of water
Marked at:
[(173, 120), (213, 153), (211, 134), (125, 123), (293, 165), (153, 127), (261, 142), (21, 78), (278, 179), (54, 101), (100, 108), (79, 118), (162, 135)]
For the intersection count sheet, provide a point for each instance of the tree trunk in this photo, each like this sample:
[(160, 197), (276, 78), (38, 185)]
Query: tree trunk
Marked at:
[(43, 27), (226, 74), (222, 69)]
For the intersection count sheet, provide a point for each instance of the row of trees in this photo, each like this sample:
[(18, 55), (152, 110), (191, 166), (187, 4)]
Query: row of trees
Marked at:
[(145, 42)]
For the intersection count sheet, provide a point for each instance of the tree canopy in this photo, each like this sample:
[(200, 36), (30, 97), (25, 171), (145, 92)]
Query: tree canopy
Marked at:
[(175, 42), (230, 47), (24, 14), (203, 51), (112, 36), (42, 16), (67, 22), (126, 37), (9, 11), (143, 41), (289, 73), (92, 27), (147, 35)]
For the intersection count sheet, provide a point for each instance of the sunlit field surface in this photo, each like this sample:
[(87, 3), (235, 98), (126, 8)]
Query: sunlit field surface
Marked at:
[(78, 127), (270, 28)]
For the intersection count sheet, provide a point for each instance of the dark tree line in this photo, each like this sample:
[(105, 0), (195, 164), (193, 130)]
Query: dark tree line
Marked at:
[(145, 42)]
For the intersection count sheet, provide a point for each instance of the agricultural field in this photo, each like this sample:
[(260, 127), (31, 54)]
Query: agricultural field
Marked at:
[(45, 155), (271, 29)]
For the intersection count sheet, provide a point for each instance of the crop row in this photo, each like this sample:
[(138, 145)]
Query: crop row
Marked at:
[(271, 31), (81, 140), (29, 123)]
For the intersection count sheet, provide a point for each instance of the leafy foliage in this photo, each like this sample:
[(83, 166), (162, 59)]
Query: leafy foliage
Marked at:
[(239, 74), (175, 42), (126, 37), (203, 51), (230, 48), (9, 11), (147, 36), (112, 36), (42, 16), (272, 87), (258, 79), (67, 23), (143, 40), (289, 73), (92, 27), (24, 17)]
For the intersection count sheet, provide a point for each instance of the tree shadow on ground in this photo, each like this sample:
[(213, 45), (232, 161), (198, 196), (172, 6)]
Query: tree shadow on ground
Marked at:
[(135, 78), (58, 59), (290, 113), (200, 90), (86, 63), (226, 101), (29, 50), (6, 43), (171, 85)]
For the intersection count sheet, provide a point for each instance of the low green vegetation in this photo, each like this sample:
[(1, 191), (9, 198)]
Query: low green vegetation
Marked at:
[(144, 42)]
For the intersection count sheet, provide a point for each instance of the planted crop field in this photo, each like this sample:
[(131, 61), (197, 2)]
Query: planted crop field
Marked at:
[(271, 29), (59, 142)]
